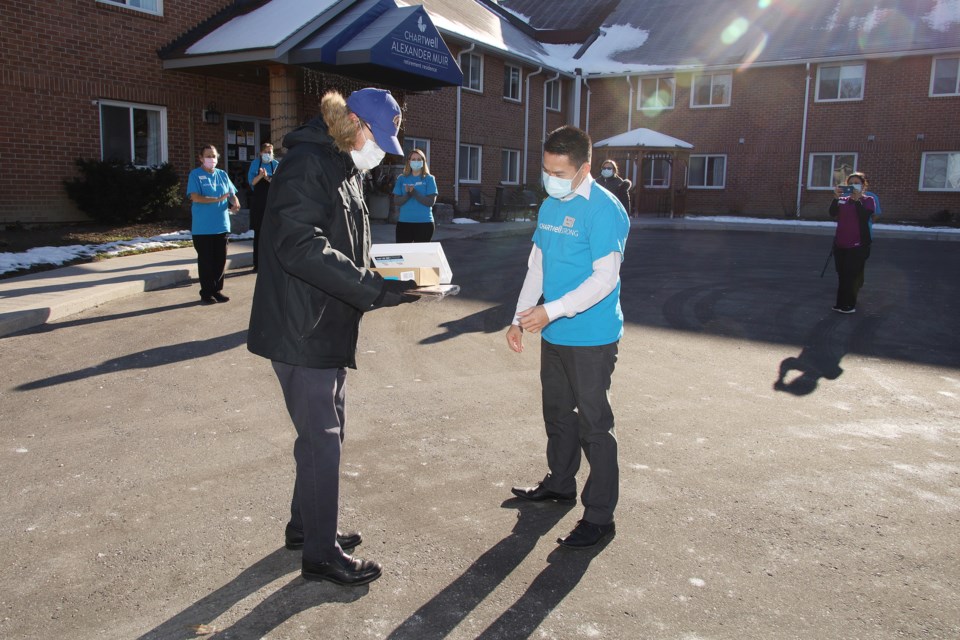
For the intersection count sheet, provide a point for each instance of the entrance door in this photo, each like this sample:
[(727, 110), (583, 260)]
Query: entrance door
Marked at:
[(244, 136)]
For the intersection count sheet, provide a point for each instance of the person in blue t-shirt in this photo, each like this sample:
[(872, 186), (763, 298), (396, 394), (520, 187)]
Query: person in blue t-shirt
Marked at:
[(214, 197), (575, 265), (416, 192), (259, 176)]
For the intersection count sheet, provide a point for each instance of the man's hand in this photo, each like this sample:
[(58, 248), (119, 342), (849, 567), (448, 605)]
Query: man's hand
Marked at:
[(534, 319), (393, 293), (515, 338)]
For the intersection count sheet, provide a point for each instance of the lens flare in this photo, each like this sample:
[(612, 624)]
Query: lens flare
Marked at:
[(763, 4), (734, 30)]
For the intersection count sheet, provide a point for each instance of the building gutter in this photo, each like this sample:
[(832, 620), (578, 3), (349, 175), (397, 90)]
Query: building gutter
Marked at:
[(587, 121), (526, 123), (803, 139), (456, 148)]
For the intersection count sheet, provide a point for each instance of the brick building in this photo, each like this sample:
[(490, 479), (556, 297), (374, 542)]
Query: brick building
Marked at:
[(778, 98)]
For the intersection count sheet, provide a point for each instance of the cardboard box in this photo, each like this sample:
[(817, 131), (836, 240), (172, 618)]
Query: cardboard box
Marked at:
[(409, 256), (423, 276)]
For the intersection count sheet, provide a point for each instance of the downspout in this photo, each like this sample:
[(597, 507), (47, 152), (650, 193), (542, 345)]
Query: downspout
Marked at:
[(626, 169), (803, 140), (577, 92), (543, 134), (526, 123), (456, 148), (587, 123)]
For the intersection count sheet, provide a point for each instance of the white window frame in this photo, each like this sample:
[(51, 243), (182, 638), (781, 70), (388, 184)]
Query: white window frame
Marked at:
[(673, 94), (126, 5), (557, 93), (164, 157), (707, 157), (933, 70), (468, 87), (842, 67), (647, 181), (411, 142), (515, 179), (509, 69), (713, 77), (923, 169), (833, 167), (464, 168)]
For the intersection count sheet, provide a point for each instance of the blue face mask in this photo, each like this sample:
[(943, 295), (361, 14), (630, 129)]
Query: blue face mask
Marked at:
[(558, 188), (606, 173), (416, 165)]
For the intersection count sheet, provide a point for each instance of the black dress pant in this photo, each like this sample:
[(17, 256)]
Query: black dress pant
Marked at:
[(850, 264), (211, 261), (258, 204), (415, 231), (315, 401)]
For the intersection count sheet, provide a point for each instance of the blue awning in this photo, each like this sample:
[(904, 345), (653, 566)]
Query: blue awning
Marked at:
[(378, 41)]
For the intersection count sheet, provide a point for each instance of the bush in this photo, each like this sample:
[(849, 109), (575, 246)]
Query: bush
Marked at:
[(110, 191)]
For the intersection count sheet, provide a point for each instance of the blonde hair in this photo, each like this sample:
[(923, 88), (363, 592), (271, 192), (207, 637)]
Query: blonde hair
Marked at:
[(343, 129), (406, 167)]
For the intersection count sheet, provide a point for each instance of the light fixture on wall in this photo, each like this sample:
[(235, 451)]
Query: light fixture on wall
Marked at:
[(871, 138), (211, 115), (919, 137), (742, 140)]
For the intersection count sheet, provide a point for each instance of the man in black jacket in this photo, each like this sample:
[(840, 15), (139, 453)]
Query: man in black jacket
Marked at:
[(314, 285)]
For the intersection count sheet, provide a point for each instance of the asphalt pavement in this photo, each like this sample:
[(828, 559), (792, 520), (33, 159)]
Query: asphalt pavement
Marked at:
[(786, 471)]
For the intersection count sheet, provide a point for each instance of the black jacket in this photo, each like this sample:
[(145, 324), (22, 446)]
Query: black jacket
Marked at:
[(313, 283), (618, 187)]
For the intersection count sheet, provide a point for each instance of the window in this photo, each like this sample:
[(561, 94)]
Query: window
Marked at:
[(410, 143), (147, 6), (656, 173), (830, 169), (945, 77), (470, 163), (509, 166), (134, 133), (707, 172), (940, 171), (840, 82), (552, 98), (472, 66), (656, 93), (511, 83), (711, 90)]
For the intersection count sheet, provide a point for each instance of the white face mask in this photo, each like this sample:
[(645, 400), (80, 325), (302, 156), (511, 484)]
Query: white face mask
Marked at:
[(606, 173), (857, 187), (369, 156), (209, 163), (266, 157), (558, 188)]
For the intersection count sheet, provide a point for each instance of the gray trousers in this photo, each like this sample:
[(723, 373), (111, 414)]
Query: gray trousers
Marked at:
[(315, 401), (577, 414)]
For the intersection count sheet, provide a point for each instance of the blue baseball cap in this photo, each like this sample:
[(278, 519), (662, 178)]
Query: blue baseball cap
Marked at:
[(378, 109)]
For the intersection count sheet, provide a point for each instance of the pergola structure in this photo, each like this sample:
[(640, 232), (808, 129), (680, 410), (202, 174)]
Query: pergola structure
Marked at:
[(638, 145)]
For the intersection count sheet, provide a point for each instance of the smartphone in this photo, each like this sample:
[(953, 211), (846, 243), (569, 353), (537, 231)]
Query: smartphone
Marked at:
[(845, 190)]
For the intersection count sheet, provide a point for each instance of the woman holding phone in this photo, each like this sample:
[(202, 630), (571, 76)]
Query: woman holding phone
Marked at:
[(853, 210)]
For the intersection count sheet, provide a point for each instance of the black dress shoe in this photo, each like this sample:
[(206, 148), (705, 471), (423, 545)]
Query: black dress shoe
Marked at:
[(586, 535), (219, 297), (349, 571), (538, 493), (207, 300), (294, 539)]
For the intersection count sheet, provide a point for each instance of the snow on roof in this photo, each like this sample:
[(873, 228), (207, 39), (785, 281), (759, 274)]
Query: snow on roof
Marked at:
[(265, 27), (643, 138)]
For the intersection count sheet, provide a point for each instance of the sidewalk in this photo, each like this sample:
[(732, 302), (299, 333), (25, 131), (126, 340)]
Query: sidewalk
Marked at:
[(35, 299)]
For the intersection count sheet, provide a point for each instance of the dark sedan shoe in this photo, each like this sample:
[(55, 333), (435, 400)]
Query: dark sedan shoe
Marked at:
[(538, 494), (294, 539), (348, 571), (586, 535)]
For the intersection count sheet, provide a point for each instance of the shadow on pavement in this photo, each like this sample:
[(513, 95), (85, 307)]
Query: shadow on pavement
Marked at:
[(438, 617), (146, 359), (292, 598)]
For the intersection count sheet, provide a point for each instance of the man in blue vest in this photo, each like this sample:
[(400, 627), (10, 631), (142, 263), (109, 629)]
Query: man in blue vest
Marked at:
[(575, 265)]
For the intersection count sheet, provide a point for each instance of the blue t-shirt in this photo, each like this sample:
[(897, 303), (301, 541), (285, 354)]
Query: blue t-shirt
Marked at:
[(876, 206), (412, 210), (571, 235), (254, 169), (212, 218)]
